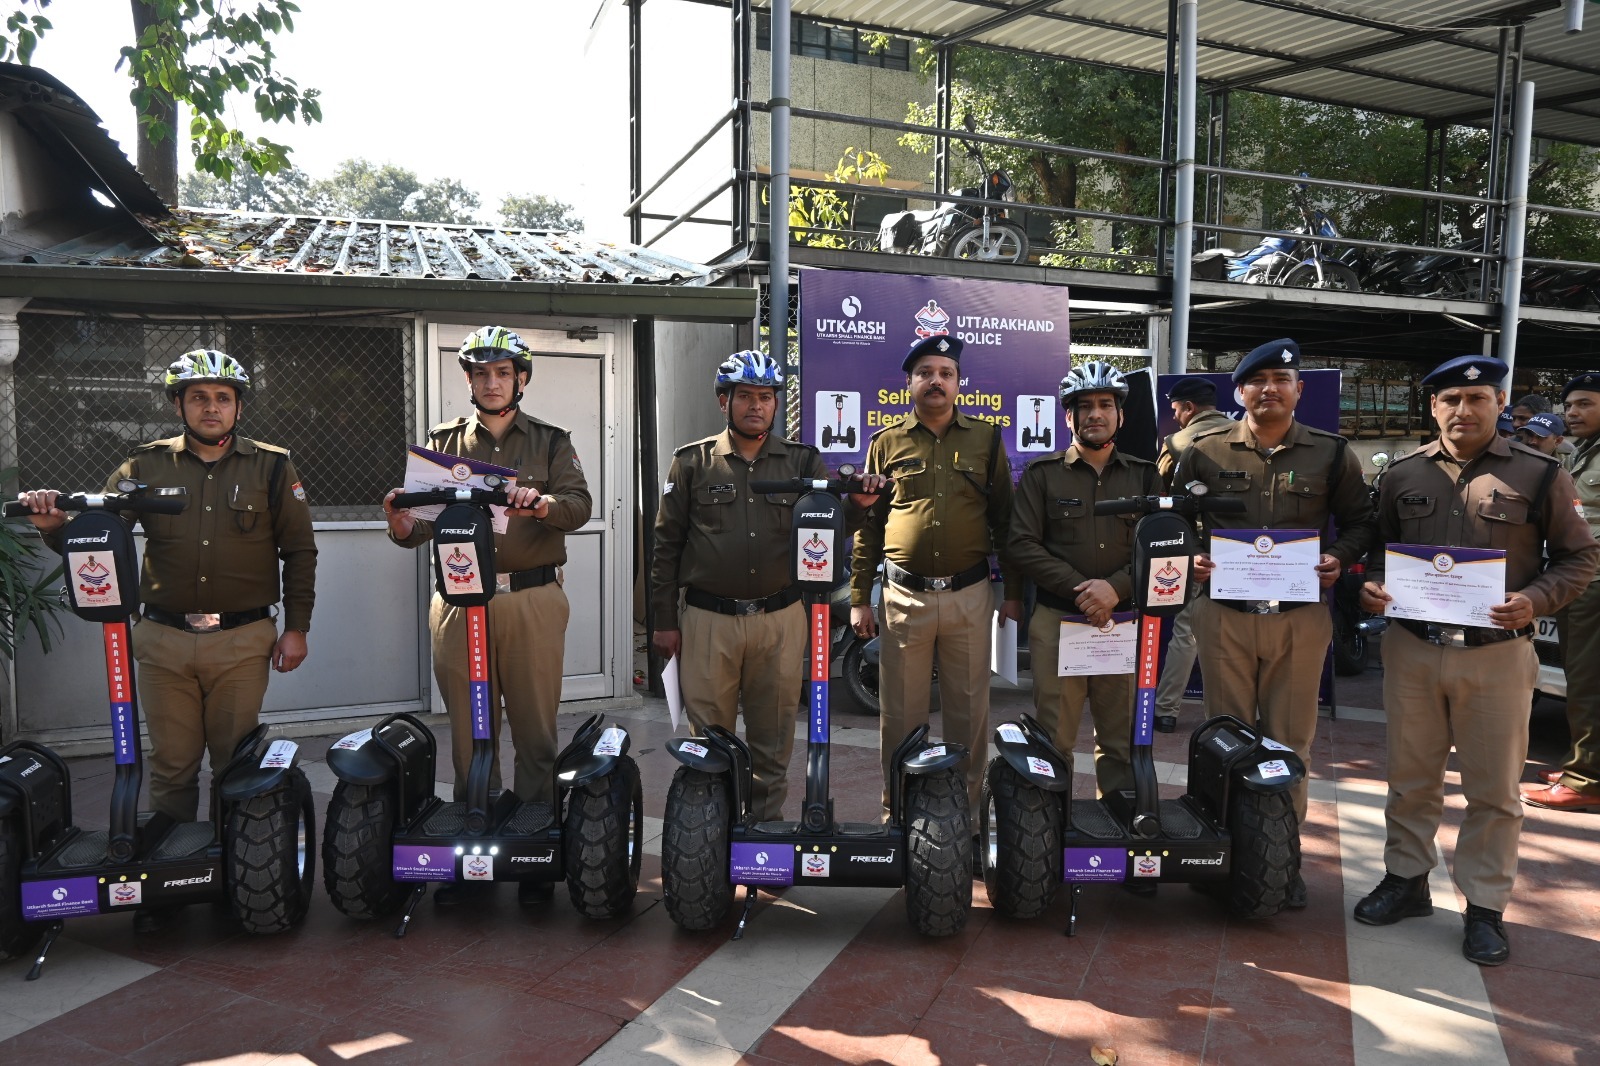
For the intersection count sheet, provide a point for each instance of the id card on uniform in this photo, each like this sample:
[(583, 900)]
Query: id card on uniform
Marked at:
[(427, 469), (1448, 586), (1266, 564), (1087, 650)]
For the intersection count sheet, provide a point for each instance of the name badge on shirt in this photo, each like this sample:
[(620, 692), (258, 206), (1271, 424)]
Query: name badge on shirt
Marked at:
[(1236, 475), (1416, 501)]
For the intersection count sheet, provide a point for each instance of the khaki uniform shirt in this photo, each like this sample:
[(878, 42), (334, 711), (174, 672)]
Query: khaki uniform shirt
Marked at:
[(944, 514), (1309, 478), (1584, 465), (714, 534), (1181, 438), (1058, 540), (544, 458), (222, 553), (1429, 498)]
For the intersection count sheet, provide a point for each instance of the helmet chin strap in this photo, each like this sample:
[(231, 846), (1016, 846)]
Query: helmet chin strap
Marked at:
[(516, 398), (1077, 438), (209, 442), (737, 432)]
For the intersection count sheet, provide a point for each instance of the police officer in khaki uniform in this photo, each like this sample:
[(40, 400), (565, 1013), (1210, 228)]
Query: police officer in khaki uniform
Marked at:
[(210, 579), (949, 509), (1468, 686), (1082, 563), (741, 638), (528, 615), (1262, 660), (1575, 786), (1193, 402)]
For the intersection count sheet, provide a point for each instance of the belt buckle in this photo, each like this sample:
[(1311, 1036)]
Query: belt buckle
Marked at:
[(939, 584), (502, 582), (203, 623), (1447, 636), (748, 606), (1263, 606)]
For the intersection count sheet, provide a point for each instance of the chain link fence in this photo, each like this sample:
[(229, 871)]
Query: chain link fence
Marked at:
[(338, 394)]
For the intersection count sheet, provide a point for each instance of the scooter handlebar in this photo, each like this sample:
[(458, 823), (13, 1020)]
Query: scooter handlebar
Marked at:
[(160, 501), (429, 497), (1180, 504), (837, 486)]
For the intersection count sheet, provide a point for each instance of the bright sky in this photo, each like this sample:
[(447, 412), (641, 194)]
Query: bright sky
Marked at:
[(497, 93)]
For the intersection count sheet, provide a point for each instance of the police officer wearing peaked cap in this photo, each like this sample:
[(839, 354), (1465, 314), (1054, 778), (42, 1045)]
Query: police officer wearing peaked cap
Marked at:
[(210, 578), (741, 634), (1262, 659), (934, 531), (1575, 785), (1468, 686)]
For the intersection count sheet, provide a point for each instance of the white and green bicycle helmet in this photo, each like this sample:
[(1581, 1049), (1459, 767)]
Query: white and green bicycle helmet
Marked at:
[(492, 344), (205, 365)]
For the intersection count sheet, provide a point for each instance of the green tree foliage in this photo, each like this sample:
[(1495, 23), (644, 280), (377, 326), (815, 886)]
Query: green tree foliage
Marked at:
[(202, 54), (287, 191), (817, 214), (27, 594), (539, 212), (359, 189)]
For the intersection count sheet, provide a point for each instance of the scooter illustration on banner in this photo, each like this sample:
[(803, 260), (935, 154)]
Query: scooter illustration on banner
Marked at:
[(840, 437), (1038, 437)]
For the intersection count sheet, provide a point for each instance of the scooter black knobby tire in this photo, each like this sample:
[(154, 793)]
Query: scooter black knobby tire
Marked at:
[(17, 937), (1266, 851), (269, 888), (603, 841), (1026, 824), (861, 678), (357, 866), (694, 849), (938, 852)]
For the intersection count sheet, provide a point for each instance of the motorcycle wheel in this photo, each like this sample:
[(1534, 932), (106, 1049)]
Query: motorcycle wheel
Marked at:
[(860, 678), (1349, 646), (1007, 243), (1335, 275)]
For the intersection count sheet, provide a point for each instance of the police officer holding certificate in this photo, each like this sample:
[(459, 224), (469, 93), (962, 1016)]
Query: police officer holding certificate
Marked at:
[(1082, 563), (1262, 659), (1468, 686)]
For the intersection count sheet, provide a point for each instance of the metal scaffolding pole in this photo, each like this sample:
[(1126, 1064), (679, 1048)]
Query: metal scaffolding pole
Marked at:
[(1183, 202), (778, 211), (1516, 223)]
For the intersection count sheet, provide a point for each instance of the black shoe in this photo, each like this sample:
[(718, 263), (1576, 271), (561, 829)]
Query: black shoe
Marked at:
[(1295, 897), (1395, 898), (1485, 941), (153, 919), (1166, 723), (453, 894), (1140, 888), (533, 892)]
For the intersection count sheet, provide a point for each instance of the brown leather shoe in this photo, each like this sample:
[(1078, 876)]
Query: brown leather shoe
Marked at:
[(1550, 777), (1561, 798)]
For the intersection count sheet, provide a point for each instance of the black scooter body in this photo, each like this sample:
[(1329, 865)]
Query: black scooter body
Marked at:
[(144, 860)]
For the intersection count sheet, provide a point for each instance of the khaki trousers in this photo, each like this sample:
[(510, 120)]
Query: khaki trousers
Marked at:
[(201, 692), (1181, 652), (756, 662), (1266, 669), (1058, 702), (527, 642), (1578, 626), (956, 626), (1478, 698)]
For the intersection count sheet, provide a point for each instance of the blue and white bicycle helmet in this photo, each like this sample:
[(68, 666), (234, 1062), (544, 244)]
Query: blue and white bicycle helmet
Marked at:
[(749, 368)]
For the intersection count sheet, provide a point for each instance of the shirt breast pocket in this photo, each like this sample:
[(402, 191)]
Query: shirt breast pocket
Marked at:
[(535, 475), (972, 479), (1241, 484), (250, 511), (782, 510), (713, 505), (1503, 516), (1309, 494), (1416, 519), (1069, 521), (911, 480)]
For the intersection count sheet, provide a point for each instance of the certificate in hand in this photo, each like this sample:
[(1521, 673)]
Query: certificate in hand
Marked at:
[(428, 469), (1449, 586), (1087, 650), (1266, 564)]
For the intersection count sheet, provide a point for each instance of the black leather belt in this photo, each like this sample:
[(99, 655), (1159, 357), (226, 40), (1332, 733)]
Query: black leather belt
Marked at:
[(916, 583), (518, 580), (726, 605), (205, 623), (1461, 636), (1264, 606), (1056, 603)]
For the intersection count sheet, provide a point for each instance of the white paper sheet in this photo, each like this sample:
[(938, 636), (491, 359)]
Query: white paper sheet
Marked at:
[(669, 682), (1449, 586), (1003, 649), (1087, 650), (1266, 564)]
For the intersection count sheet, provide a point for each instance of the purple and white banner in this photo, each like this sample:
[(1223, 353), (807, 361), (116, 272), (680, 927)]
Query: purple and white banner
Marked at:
[(1094, 864), (424, 864), (855, 329), (761, 864)]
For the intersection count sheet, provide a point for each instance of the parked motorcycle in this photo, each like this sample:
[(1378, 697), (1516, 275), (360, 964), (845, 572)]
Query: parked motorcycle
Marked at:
[(958, 230), (1354, 628), (1442, 273), (1300, 258), (857, 658)]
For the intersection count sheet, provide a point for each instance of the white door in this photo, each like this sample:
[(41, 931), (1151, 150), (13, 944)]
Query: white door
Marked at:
[(575, 386)]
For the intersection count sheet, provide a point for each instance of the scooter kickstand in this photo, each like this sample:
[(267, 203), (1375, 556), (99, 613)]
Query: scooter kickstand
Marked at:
[(1072, 910), (44, 949), (411, 905), (749, 905)]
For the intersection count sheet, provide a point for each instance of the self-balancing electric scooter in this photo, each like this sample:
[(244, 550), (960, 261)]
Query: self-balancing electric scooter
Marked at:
[(710, 843), (389, 835), (1036, 435), (836, 433), (257, 850), (1234, 828)]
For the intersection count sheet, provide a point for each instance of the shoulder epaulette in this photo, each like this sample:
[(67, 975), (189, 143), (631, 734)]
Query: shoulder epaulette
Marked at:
[(1517, 447), (273, 448), (696, 444), (1052, 457), (445, 427)]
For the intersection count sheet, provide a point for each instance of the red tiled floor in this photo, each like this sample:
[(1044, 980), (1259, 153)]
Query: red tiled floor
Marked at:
[(824, 1029), (939, 1043)]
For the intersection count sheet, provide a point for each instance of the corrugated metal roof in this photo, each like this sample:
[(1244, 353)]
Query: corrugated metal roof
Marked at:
[(1433, 59), (194, 238)]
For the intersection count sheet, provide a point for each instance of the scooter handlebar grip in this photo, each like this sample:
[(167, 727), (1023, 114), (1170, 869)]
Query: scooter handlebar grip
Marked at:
[(788, 484), (417, 499), (1130, 505), (17, 509)]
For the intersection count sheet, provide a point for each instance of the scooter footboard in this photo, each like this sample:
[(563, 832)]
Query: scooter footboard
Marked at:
[(867, 856)]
